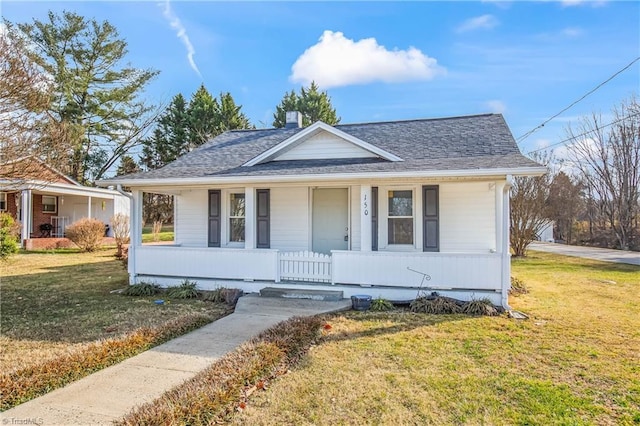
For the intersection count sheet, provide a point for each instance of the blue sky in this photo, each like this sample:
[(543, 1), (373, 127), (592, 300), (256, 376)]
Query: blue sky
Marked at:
[(384, 60)]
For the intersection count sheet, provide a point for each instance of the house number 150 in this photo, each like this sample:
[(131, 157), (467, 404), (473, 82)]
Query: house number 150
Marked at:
[(365, 206)]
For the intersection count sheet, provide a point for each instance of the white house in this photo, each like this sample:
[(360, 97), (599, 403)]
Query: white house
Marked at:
[(46, 203), (375, 205)]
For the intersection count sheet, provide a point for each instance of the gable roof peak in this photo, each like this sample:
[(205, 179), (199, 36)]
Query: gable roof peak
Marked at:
[(307, 133)]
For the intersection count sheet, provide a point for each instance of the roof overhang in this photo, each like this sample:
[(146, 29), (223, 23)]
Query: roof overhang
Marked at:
[(59, 188), (326, 177), (312, 130)]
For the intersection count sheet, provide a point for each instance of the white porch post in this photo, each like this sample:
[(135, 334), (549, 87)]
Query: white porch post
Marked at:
[(499, 213), (89, 208), (365, 218), (26, 218), (136, 232), (506, 253), (249, 217)]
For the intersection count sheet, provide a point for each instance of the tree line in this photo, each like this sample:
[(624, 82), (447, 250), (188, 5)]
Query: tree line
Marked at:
[(592, 196), (69, 97)]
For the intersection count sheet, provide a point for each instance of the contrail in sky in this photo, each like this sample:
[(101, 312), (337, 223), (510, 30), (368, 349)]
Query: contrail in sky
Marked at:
[(181, 32)]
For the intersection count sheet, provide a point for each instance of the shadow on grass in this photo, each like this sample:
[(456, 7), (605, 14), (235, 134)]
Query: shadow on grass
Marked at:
[(401, 320), (74, 303)]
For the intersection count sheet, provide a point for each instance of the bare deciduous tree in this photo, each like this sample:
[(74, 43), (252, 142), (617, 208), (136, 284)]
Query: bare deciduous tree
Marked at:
[(608, 158), (565, 203), (529, 209), (24, 97), (120, 226)]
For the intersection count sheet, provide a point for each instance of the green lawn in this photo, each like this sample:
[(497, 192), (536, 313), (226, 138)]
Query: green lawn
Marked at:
[(166, 234), (53, 303), (575, 361)]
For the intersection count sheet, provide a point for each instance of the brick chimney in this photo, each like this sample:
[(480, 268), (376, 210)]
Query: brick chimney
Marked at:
[(293, 120)]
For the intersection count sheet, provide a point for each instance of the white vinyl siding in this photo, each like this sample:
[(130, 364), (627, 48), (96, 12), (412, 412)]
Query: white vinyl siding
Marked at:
[(467, 217), (290, 219), (324, 146), (191, 218)]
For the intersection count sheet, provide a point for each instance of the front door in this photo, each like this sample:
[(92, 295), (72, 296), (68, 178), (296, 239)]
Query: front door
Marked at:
[(330, 226)]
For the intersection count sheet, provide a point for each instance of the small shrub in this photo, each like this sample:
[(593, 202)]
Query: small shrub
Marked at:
[(86, 233), (9, 231), (435, 304), (186, 290), (229, 296), (518, 287), (215, 296), (480, 307), (381, 305), (121, 228), (142, 289)]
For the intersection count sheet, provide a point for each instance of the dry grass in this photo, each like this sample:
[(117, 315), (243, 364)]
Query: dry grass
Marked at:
[(55, 304), (214, 394), (576, 361)]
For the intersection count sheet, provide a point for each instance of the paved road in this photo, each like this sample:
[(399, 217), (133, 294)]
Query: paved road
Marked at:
[(109, 394), (606, 255)]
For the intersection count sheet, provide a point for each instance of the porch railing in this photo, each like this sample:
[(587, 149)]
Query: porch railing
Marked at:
[(305, 266)]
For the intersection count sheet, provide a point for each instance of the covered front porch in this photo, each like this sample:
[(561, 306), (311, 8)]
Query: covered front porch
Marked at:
[(44, 212), (398, 275), (387, 238)]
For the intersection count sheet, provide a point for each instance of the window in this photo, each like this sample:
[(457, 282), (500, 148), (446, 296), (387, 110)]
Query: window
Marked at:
[(49, 204), (236, 218), (3, 201), (400, 217)]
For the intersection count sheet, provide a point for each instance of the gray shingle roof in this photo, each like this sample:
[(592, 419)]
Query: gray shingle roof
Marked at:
[(457, 143)]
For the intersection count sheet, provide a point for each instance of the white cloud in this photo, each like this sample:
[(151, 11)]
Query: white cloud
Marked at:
[(338, 61), (496, 106), (572, 32), (482, 22), (592, 3), (502, 4), (181, 32)]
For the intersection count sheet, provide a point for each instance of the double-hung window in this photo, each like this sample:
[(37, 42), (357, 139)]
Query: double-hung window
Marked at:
[(49, 204), (400, 217), (236, 217), (3, 201)]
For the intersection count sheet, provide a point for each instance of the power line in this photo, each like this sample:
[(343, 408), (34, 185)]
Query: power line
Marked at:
[(530, 132), (584, 134)]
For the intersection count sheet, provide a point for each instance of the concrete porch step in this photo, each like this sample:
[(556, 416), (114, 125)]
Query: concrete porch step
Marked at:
[(293, 293)]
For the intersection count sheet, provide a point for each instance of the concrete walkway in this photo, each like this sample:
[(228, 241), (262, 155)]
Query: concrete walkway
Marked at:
[(595, 253), (111, 393)]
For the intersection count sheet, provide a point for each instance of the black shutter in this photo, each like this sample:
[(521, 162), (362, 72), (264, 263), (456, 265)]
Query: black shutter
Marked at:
[(431, 218), (374, 218), (215, 215), (263, 219)]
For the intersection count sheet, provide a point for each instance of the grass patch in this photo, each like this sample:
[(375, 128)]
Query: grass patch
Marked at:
[(574, 362), (33, 381), (60, 302), (166, 233), (163, 237), (214, 394)]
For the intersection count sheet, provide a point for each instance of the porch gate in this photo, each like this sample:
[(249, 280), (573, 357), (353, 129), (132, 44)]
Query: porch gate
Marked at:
[(305, 266)]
